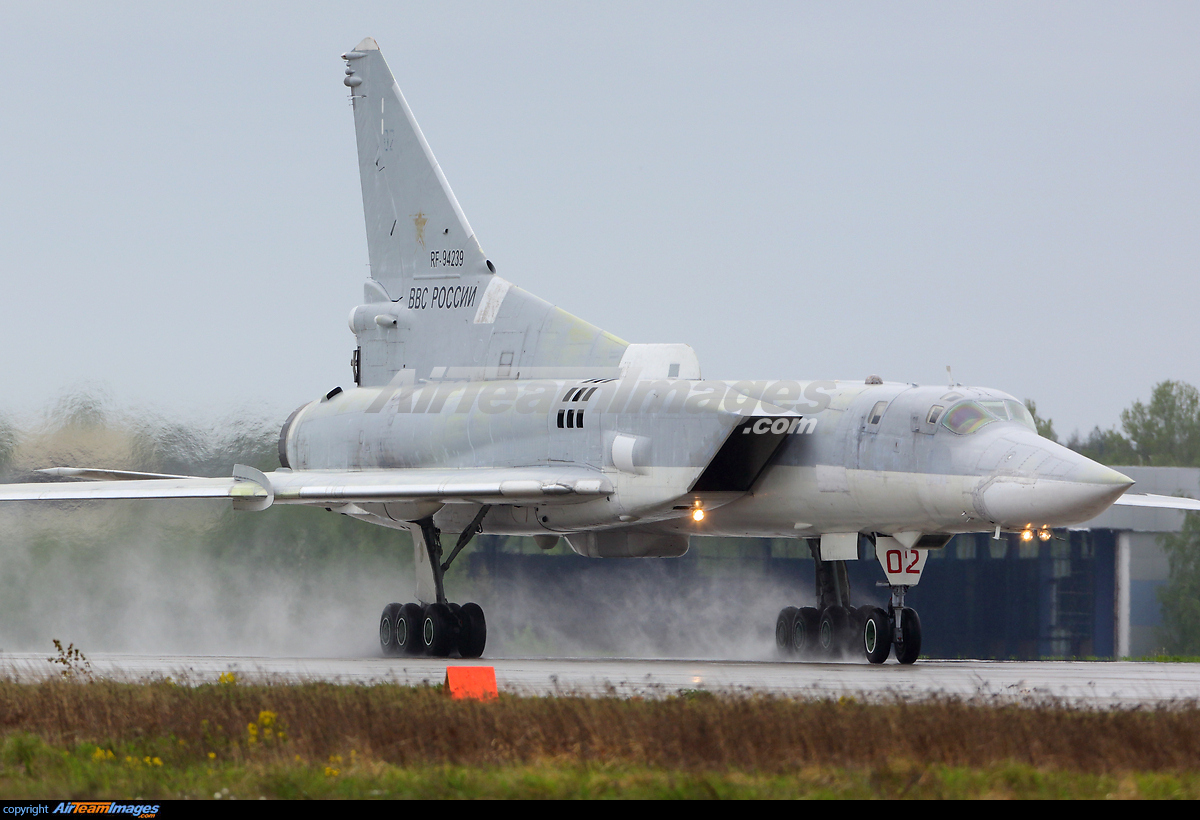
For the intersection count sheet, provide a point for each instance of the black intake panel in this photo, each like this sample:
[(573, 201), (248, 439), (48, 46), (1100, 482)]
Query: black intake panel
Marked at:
[(743, 456)]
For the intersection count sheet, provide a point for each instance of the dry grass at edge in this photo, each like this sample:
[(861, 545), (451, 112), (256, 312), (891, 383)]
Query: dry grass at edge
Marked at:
[(419, 726)]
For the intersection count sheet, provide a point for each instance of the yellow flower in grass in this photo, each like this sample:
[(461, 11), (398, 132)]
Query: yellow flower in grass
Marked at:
[(268, 728)]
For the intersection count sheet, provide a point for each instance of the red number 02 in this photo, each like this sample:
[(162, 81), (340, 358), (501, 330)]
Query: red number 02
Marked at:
[(895, 562)]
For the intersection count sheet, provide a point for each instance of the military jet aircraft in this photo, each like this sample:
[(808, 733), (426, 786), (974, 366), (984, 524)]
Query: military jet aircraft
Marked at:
[(478, 407)]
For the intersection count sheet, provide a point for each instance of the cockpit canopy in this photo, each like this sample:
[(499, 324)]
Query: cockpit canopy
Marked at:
[(966, 417)]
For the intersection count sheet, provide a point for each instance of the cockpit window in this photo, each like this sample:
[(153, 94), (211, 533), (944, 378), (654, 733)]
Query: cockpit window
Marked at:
[(935, 413), (1010, 410), (966, 417), (996, 408), (1017, 412)]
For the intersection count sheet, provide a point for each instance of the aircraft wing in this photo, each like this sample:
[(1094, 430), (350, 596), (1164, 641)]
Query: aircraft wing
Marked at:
[(1165, 502), (184, 487), (491, 484), (251, 489)]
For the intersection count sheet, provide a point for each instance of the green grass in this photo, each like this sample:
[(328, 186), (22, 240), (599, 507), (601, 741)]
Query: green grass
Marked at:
[(74, 739), (46, 771)]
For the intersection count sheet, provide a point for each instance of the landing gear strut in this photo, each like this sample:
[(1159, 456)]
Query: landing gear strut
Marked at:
[(826, 630), (905, 627), (439, 627), (835, 629)]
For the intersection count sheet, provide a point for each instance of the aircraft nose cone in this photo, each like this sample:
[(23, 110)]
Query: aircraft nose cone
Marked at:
[(1066, 488)]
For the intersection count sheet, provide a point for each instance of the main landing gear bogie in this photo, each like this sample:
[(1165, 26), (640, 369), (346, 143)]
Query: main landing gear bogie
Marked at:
[(440, 628), (435, 630), (835, 630)]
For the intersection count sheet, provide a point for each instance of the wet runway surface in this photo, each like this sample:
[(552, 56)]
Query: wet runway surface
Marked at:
[(1103, 684)]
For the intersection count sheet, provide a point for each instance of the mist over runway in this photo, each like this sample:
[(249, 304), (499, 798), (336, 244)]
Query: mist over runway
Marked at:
[(1079, 683)]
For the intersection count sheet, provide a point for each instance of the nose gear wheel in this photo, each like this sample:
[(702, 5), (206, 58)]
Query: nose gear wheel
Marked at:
[(908, 648), (876, 635)]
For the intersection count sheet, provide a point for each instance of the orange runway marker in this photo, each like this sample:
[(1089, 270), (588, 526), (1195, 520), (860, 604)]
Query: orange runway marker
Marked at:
[(478, 682)]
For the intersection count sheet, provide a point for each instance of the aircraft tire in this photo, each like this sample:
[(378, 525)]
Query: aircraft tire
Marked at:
[(832, 630), (408, 638), (876, 635), (785, 624), (472, 633), (910, 629), (438, 630), (387, 630), (860, 616), (805, 631)]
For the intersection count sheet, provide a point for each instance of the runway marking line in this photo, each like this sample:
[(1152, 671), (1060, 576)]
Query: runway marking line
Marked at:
[(471, 682)]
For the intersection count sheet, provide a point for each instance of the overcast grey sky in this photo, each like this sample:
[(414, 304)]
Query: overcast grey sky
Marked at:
[(797, 190)]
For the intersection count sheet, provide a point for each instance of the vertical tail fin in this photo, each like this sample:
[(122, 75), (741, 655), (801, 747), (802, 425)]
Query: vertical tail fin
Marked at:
[(450, 310), (415, 226)]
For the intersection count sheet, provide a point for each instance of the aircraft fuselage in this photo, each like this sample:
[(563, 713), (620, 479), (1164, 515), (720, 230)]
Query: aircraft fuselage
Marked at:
[(817, 457)]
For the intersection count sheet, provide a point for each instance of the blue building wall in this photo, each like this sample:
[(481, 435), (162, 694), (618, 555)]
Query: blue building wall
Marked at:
[(978, 598)]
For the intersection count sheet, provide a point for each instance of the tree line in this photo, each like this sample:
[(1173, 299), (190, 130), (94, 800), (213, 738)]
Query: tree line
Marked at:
[(1164, 432)]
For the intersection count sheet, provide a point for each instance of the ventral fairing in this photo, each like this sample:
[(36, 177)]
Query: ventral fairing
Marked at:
[(478, 407)]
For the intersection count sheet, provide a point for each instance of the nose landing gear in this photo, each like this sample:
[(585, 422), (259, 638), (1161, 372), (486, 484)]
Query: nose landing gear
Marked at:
[(906, 627)]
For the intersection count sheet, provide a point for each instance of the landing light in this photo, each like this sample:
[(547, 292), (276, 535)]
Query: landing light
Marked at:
[(1045, 535), (1026, 535), (697, 514)]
